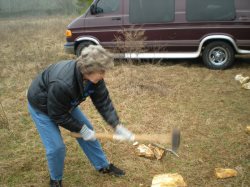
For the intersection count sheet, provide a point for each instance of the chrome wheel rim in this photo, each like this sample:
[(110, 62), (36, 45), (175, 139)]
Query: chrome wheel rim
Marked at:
[(218, 56)]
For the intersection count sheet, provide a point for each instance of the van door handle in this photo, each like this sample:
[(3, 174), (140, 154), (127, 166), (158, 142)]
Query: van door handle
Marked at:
[(244, 18), (116, 18)]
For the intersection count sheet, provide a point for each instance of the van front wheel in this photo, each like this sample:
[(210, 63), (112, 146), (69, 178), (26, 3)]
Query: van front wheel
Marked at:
[(81, 46), (218, 55)]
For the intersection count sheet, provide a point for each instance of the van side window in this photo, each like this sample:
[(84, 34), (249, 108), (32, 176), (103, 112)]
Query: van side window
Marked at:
[(210, 10), (108, 6), (151, 11)]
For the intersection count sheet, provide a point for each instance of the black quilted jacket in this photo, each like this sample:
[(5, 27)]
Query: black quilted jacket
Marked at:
[(60, 88)]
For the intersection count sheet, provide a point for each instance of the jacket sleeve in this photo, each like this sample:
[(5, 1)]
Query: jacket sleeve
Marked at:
[(58, 104), (103, 104)]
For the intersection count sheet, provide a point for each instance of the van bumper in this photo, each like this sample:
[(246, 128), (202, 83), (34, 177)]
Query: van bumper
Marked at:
[(69, 47)]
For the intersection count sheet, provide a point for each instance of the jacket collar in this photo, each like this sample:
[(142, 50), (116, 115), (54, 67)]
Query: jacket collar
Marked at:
[(79, 78)]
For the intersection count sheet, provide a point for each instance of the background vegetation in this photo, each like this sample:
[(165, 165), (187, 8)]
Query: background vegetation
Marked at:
[(14, 8), (208, 106)]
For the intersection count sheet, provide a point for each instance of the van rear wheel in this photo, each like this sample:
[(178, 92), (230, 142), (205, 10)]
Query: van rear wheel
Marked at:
[(81, 46), (218, 55)]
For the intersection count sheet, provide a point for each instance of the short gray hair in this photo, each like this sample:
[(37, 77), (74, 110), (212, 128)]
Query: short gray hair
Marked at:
[(95, 58)]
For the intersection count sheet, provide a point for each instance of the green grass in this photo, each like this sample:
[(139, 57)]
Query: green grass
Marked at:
[(208, 106)]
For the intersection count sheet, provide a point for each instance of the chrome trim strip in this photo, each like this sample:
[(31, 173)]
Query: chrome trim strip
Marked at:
[(184, 54), (89, 39), (160, 55)]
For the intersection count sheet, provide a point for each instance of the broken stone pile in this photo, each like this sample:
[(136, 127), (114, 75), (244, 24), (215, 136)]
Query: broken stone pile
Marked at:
[(244, 81)]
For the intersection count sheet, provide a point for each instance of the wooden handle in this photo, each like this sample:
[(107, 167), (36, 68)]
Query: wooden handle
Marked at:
[(160, 138), (106, 136)]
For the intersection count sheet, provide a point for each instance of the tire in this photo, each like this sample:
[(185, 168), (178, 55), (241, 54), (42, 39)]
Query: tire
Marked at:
[(218, 55), (81, 46)]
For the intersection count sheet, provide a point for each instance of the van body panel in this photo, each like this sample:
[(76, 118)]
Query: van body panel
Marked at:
[(175, 37), (181, 33), (77, 27), (105, 26), (179, 55)]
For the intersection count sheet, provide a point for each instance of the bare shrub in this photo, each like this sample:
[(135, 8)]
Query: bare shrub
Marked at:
[(133, 40), (130, 40)]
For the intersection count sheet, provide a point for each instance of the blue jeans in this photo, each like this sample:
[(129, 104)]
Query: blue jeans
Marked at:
[(55, 147)]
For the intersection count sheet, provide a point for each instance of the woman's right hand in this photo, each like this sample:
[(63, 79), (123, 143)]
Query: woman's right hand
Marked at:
[(123, 134), (87, 133)]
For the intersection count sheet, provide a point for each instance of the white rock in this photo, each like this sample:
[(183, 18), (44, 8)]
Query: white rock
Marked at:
[(246, 86), (168, 180)]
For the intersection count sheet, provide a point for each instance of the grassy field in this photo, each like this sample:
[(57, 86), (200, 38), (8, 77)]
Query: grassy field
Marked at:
[(208, 106)]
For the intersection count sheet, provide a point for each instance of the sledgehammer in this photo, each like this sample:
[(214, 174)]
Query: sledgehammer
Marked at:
[(172, 138)]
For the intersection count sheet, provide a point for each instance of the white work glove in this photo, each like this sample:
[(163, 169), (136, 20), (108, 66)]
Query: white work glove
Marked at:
[(123, 134), (87, 133)]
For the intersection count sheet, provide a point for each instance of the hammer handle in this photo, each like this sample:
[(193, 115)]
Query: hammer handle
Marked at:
[(160, 138)]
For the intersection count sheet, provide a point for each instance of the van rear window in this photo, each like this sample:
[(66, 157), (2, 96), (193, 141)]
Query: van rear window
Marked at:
[(148, 11), (210, 10)]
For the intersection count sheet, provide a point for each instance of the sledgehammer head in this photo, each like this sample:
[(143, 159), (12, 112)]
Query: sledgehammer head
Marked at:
[(176, 139)]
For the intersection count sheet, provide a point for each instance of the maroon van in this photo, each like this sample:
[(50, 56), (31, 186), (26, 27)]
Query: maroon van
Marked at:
[(213, 29)]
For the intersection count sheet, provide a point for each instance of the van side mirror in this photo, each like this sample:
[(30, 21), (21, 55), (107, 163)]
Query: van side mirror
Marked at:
[(95, 10)]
